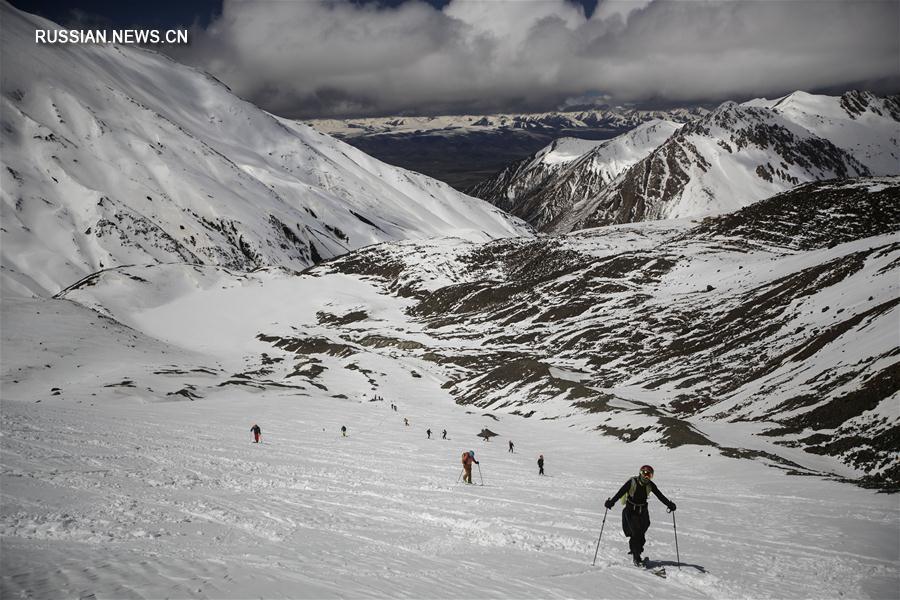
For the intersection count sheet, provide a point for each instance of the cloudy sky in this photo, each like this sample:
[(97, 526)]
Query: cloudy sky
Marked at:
[(318, 58)]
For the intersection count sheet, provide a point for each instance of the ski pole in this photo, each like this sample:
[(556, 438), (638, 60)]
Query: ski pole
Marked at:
[(677, 556), (458, 477), (479, 474), (602, 525)]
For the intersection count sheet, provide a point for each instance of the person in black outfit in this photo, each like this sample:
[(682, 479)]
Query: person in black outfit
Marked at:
[(444, 435), (428, 431), (635, 516), (511, 446), (541, 464)]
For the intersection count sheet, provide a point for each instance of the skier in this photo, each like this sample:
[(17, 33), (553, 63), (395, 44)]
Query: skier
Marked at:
[(256, 433), (429, 433), (635, 516), (444, 435), (510, 446), (541, 464), (344, 430), (406, 421), (467, 459)]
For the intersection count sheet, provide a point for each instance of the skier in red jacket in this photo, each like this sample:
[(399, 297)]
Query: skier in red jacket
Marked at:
[(467, 459)]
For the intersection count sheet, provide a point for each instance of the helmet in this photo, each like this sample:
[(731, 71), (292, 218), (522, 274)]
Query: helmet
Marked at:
[(646, 471)]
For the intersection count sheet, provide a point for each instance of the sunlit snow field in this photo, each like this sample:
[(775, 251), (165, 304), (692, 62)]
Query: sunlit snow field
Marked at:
[(122, 495)]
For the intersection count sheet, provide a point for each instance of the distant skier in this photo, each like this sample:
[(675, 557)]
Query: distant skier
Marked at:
[(541, 464), (256, 433), (635, 516), (428, 432), (467, 459), (511, 446), (344, 430), (406, 421), (444, 435)]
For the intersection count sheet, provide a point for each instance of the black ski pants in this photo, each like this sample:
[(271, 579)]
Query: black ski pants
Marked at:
[(635, 522)]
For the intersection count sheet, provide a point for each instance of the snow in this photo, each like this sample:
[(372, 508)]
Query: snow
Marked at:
[(128, 491), (870, 137), (735, 156), (117, 155), (121, 497), (873, 139), (126, 463), (564, 150)]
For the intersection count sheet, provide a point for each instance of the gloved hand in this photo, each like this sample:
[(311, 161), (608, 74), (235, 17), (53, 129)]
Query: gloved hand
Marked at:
[(671, 507), (609, 503)]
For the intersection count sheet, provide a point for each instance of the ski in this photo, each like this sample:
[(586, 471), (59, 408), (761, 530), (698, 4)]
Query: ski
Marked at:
[(658, 571)]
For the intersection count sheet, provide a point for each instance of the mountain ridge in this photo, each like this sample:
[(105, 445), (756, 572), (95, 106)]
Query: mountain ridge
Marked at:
[(721, 161), (117, 155), (540, 190)]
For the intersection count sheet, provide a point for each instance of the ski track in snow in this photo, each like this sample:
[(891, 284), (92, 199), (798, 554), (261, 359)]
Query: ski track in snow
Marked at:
[(127, 500)]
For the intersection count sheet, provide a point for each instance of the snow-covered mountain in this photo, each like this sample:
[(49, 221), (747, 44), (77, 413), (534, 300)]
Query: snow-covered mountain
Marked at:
[(116, 155), (742, 153), (783, 316), (719, 162), (153, 227), (546, 185), (769, 333)]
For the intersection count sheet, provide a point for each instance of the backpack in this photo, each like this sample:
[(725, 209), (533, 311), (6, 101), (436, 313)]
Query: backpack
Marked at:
[(633, 487)]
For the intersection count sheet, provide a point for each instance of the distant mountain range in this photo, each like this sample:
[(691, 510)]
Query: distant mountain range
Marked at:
[(115, 155), (464, 150), (606, 118), (718, 162)]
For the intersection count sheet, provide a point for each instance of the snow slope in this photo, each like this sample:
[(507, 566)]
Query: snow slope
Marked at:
[(115, 485), (116, 155)]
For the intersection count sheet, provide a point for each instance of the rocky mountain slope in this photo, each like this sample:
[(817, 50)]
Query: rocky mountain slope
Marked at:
[(769, 333), (719, 162), (545, 186), (782, 315), (117, 155)]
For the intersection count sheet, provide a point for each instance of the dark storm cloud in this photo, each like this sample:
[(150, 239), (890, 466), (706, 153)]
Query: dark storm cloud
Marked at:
[(323, 58)]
